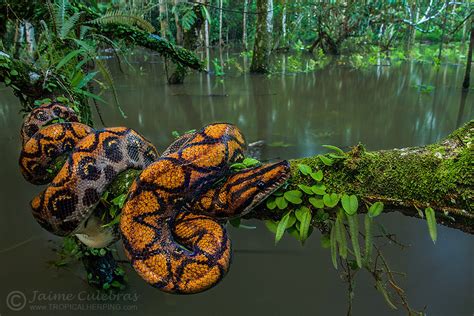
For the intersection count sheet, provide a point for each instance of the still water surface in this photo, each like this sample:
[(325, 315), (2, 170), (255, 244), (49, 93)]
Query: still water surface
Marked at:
[(294, 114)]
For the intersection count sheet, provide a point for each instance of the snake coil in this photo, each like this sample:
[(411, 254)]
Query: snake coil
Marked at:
[(171, 224)]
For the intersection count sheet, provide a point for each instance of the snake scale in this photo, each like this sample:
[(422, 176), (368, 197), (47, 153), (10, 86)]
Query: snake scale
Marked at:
[(171, 224)]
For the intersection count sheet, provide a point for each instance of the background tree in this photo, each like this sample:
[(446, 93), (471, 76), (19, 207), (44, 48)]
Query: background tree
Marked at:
[(263, 40)]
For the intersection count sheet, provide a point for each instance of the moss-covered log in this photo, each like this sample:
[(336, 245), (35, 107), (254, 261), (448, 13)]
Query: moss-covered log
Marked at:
[(440, 176)]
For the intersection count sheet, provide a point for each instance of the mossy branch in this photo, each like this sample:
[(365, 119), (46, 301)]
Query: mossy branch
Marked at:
[(439, 176), (142, 38)]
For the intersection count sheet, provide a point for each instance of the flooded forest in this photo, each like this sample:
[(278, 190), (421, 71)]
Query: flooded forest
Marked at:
[(247, 157)]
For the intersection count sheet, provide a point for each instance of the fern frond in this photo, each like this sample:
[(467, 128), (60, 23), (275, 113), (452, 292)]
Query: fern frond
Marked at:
[(60, 14), (107, 75), (84, 30), (52, 15), (90, 50), (124, 18), (68, 25)]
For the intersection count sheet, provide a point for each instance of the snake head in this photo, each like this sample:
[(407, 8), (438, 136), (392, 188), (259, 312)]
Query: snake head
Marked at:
[(242, 191)]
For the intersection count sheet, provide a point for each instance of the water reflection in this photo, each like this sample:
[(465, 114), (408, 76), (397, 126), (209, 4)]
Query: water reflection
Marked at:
[(294, 113), (337, 105)]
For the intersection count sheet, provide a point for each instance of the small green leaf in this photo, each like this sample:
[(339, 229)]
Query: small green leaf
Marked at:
[(306, 189), (293, 196), (238, 166), (319, 189), (336, 149), (235, 222), (341, 234), (13, 72), (305, 220), (317, 176), (375, 209), (281, 227), (67, 58), (337, 156), (305, 169), (317, 203), (353, 222), (294, 232), (303, 215), (326, 160), (271, 225), (331, 200), (278, 193), (325, 241), (333, 245), (321, 216), (431, 221), (175, 134), (86, 79), (271, 204), (281, 202), (291, 220), (119, 200), (368, 238), (349, 204), (250, 162)]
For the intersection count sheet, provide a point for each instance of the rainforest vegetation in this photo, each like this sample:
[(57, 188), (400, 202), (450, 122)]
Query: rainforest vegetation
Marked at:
[(62, 50)]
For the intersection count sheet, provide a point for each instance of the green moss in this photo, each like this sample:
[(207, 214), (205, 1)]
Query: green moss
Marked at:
[(428, 175), (122, 182)]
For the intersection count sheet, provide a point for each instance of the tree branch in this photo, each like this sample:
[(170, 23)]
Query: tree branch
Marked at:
[(406, 180)]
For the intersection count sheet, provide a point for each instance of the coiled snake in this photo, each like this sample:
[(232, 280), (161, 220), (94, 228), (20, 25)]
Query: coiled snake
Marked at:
[(171, 222)]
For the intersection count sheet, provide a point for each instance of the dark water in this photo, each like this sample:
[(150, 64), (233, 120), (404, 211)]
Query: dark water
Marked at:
[(295, 114)]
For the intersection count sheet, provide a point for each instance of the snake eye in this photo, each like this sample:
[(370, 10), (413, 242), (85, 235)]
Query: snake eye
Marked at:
[(261, 185)]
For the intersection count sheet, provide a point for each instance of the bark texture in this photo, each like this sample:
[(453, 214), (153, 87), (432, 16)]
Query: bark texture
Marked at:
[(262, 45)]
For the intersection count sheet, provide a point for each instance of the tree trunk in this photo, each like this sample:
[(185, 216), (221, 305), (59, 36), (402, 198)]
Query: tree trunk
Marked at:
[(467, 75), (220, 23), (283, 23), (190, 42), (244, 25), (163, 22), (443, 31), (262, 45), (206, 33), (179, 29)]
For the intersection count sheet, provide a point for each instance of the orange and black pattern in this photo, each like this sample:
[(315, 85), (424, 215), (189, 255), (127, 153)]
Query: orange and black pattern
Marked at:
[(241, 191), (44, 115), (95, 158), (199, 256), (170, 223)]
